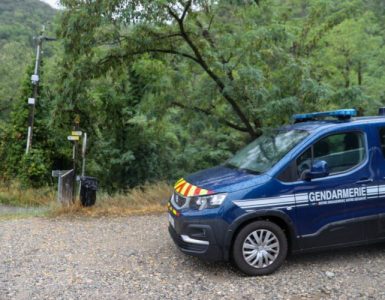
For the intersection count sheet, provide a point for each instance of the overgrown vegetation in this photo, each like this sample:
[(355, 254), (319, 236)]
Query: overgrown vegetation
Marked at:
[(145, 199), (15, 194), (164, 88)]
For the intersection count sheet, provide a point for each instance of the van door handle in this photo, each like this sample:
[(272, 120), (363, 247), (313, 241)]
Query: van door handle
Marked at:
[(364, 181)]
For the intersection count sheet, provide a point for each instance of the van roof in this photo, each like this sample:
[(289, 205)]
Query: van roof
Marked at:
[(323, 124)]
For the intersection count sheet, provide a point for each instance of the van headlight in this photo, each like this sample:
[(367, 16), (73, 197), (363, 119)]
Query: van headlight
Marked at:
[(210, 201)]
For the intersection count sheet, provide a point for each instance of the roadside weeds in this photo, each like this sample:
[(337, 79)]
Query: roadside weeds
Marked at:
[(147, 199)]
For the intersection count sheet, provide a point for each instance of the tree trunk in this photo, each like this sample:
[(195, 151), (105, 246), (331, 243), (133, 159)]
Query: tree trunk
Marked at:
[(346, 75), (359, 73)]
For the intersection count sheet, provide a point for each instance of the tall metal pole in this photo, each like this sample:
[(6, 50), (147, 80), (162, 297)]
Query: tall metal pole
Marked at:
[(35, 81), (32, 101)]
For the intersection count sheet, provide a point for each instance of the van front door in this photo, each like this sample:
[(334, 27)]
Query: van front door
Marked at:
[(321, 204)]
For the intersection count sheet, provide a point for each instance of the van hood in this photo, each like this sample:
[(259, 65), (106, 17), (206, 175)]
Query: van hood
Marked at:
[(224, 179)]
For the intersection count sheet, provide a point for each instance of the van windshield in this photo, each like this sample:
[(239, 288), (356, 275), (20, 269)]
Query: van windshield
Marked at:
[(263, 153)]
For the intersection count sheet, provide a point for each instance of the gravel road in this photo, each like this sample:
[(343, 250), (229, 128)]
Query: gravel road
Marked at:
[(134, 258)]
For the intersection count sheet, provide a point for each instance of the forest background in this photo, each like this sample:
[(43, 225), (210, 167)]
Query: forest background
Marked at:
[(165, 88)]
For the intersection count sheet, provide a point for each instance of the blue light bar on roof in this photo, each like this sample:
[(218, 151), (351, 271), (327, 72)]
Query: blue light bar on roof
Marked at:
[(341, 114)]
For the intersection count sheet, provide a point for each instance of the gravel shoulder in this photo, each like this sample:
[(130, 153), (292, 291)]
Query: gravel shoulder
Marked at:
[(9, 211), (134, 258)]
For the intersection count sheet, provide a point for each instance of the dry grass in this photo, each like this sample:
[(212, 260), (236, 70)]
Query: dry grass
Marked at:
[(14, 194), (148, 199)]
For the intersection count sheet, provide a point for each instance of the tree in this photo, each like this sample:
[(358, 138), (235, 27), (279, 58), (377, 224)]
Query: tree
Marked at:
[(164, 88), (241, 49), (33, 169)]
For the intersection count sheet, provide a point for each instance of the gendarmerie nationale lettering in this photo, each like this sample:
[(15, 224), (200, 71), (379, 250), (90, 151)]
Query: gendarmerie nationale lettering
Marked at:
[(337, 194)]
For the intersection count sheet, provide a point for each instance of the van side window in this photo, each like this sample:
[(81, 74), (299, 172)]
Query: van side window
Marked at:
[(303, 162), (341, 151), (382, 140)]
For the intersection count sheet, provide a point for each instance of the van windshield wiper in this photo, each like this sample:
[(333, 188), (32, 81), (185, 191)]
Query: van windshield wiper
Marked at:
[(250, 171), (232, 166)]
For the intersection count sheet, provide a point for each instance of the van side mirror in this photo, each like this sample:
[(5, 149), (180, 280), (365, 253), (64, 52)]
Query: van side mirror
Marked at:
[(319, 169)]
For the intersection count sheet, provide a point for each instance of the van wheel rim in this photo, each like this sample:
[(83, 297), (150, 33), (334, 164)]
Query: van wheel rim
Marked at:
[(260, 248)]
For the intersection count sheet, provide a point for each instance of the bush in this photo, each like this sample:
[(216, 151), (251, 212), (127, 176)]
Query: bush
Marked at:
[(34, 169)]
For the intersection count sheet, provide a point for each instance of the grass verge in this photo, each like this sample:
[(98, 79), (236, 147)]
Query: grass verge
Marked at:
[(15, 195), (147, 199)]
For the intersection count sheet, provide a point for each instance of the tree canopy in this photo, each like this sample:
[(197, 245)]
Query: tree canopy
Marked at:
[(169, 87)]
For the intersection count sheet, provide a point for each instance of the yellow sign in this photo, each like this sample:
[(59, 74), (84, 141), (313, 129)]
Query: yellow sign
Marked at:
[(73, 138), (77, 133)]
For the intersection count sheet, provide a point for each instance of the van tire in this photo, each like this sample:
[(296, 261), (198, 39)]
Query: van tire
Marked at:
[(270, 250)]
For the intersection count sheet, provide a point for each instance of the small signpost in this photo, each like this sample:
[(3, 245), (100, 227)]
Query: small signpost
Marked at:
[(84, 149), (67, 179)]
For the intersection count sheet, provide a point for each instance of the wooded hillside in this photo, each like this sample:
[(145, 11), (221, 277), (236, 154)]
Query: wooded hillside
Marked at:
[(20, 21)]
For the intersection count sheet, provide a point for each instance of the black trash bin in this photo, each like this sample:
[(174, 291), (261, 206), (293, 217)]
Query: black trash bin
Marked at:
[(88, 188)]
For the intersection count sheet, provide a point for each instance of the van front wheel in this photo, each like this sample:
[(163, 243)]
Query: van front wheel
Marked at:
[(260, 248)]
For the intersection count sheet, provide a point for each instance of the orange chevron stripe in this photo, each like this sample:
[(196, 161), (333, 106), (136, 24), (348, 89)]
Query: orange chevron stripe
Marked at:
[(192, 191), (184, 189), (179, 183), (203, 192), (180, 180), (188, 190), (180, 187)]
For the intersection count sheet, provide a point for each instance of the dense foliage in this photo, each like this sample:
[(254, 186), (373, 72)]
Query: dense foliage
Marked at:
[(168, 87), (20, 20)]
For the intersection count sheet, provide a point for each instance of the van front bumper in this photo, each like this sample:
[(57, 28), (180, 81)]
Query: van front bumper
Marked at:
[(196, 238)]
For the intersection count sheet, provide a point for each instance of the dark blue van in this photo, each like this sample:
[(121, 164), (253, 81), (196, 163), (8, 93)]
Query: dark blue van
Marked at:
[(318, 183)]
